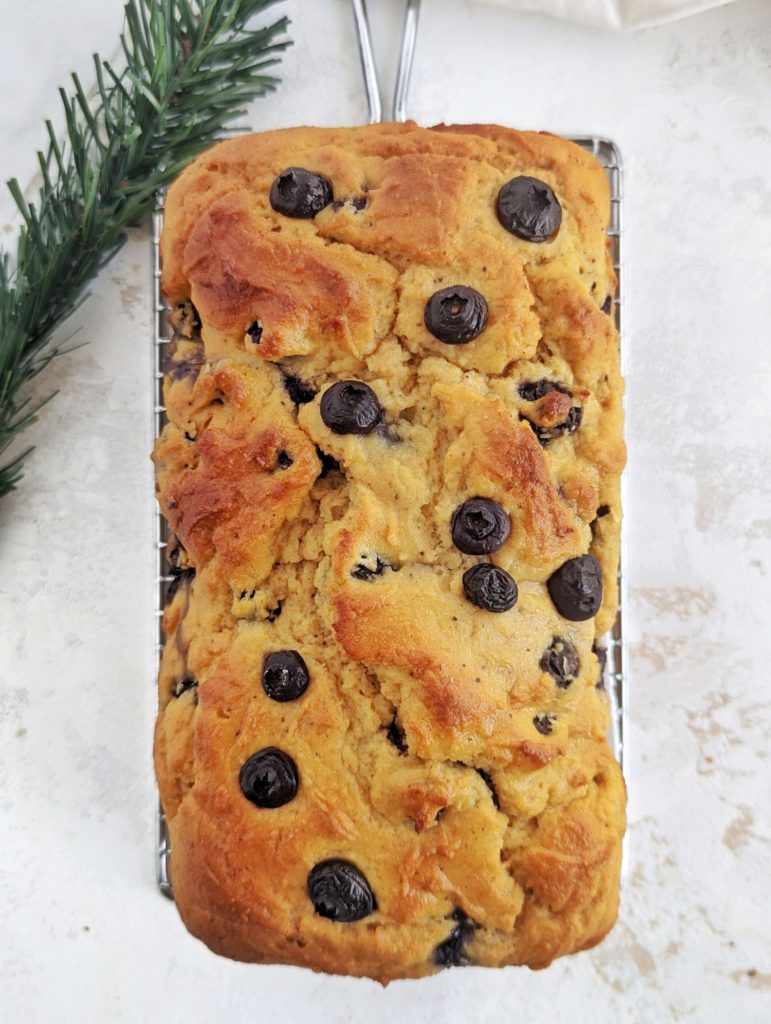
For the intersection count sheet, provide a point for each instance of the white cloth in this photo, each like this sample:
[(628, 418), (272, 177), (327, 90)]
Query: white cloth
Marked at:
[(619, 14)]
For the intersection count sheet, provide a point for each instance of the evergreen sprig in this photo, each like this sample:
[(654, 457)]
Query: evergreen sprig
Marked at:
[(188, 68)]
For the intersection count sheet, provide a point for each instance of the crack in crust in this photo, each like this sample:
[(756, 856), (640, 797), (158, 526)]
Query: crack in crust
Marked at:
[(418, 755)]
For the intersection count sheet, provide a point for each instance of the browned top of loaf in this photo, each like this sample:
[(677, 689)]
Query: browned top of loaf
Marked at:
[(534, 866)]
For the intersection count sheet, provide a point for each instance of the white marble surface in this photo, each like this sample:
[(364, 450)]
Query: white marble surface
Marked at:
[(86, 937)]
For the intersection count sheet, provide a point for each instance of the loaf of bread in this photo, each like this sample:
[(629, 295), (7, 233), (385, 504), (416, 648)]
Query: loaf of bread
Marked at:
[(391, 473)]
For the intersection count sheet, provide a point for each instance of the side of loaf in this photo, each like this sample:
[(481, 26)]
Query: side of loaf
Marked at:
[(391, 473)]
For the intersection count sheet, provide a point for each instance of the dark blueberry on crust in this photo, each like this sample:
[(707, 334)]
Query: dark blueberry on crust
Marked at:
[(602, 657), (456, 315), (300, 392), (560, 661), (183, 685), (269, 778), (395, 735), (357, 204), (185, 320), (284, 460), (569, 425), (254, 330), (339, 891), (479, 526), (367, 572), (529, 209), (273, 613), (607, 305), (544, 723), (532, 390), (351, 407), (452, 952), (188, 367), (488, 781), (181, 576), (328, 463), (300, 193), (489, 587), (285, 675), (576, 588)]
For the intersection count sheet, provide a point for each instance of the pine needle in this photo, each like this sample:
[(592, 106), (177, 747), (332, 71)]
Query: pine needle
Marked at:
[(144, 121)]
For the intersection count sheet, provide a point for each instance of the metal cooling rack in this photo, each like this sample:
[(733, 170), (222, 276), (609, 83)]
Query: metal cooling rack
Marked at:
[(161, 338), (608, 156)]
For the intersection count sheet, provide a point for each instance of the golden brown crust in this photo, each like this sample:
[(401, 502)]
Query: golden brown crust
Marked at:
[(478, 797)]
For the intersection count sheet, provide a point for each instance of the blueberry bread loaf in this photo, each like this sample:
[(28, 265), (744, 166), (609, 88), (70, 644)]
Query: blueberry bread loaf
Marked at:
[(391, 472)]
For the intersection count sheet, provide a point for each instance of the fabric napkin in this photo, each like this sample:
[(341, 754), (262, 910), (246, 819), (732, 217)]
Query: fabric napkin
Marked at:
[(619, 14)]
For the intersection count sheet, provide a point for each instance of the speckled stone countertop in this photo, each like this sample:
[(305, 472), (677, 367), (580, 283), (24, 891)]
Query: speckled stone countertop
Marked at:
[(86, 936)]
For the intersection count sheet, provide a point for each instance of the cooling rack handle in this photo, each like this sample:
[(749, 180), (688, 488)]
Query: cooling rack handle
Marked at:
[(369, 69), (367, 57), (406, 59)]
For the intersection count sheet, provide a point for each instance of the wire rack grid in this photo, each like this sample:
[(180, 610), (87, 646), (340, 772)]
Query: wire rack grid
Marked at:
[(615, 680)]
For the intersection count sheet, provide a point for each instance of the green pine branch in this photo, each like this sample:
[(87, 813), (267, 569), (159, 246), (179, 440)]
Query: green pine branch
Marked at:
[(188, 68)]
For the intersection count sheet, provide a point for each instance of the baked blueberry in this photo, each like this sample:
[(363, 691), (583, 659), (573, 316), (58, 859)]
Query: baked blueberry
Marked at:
[(576, 588), (339, 891), (490, 587), (187, 368), (529, 209), (357, 204), (273, 613), (560, 661), (300, 193), (186, 320), (569, 425), (479, 526), (254, 330), (532, 390), (456, 315), (368, 572), (328, 463), (607, 305), (269, 778), (452, 952), (285, 675), (300, 392), (351, 407), (544, 722), (284, 460)]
